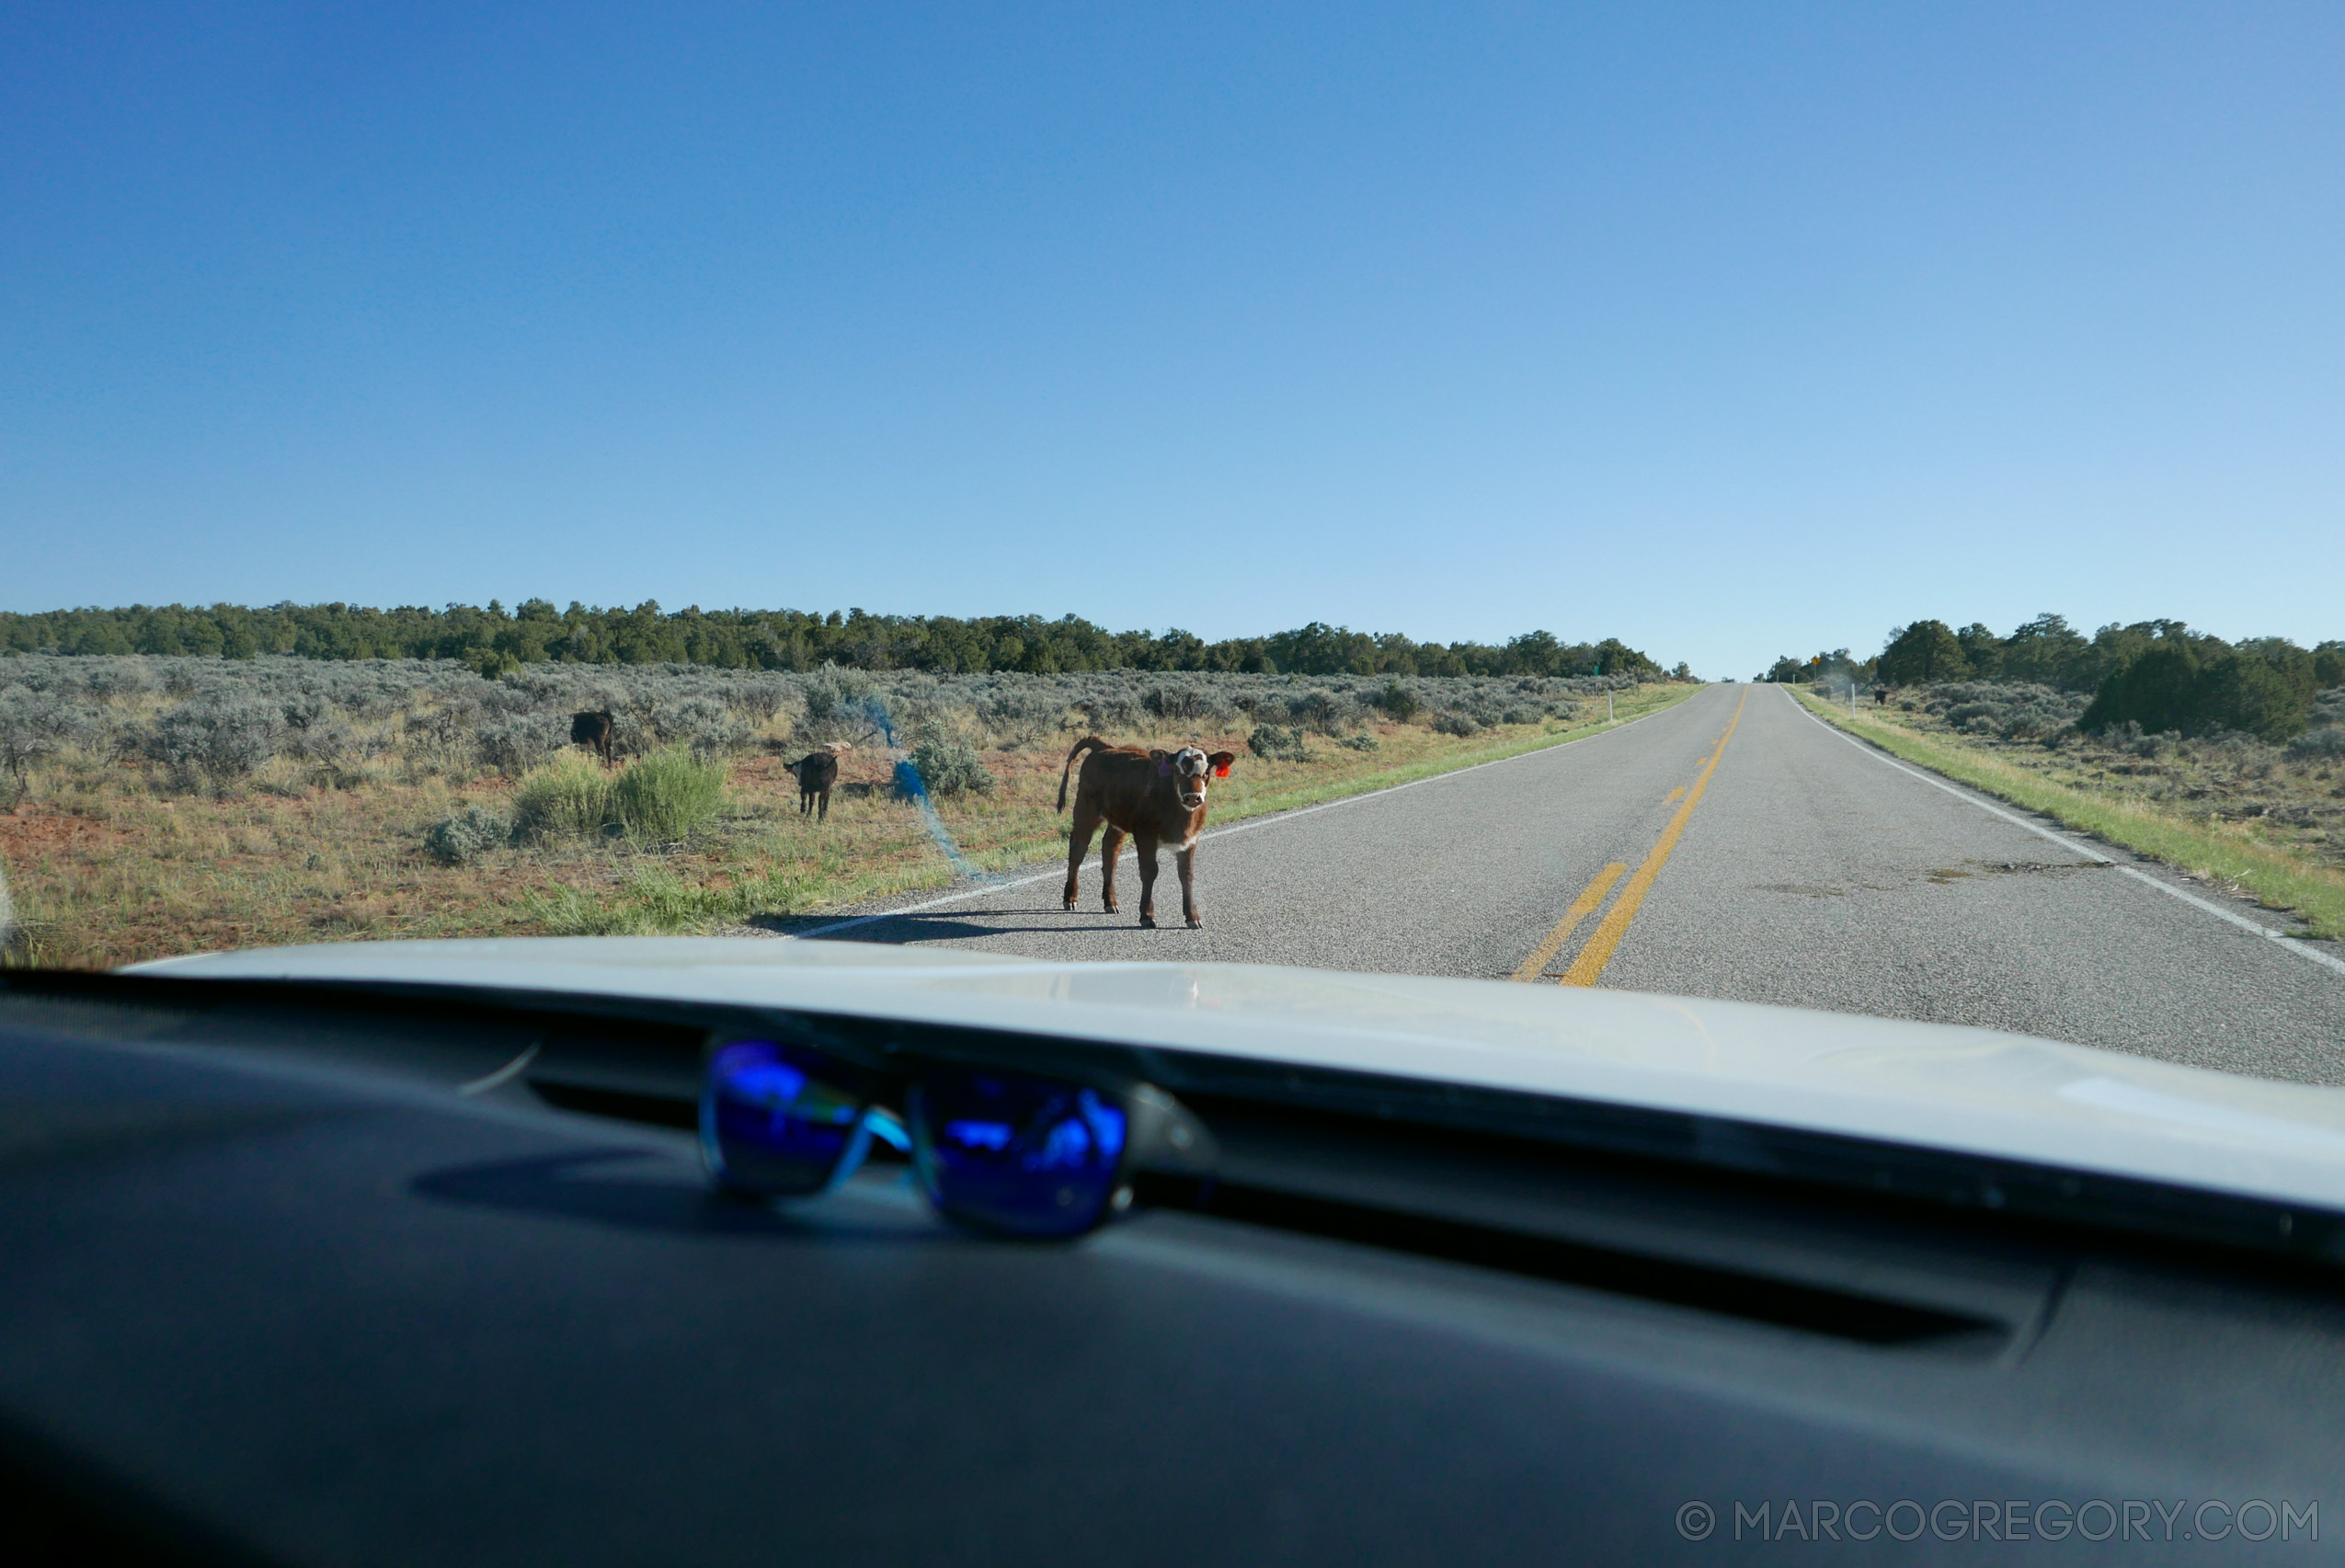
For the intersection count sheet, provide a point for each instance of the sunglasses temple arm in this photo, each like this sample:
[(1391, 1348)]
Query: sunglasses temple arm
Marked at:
[(888, 1127)]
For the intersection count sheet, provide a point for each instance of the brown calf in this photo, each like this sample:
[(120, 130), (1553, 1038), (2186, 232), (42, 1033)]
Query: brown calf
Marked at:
[(593, 730), (1156, 797), (816, 772)]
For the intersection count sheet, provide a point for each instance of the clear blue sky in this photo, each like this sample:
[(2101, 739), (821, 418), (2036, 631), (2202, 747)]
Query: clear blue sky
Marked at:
[(1729, 329)]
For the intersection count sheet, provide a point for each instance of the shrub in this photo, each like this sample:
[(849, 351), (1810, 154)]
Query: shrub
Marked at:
[(949, 767), (473, 832), (304, 709), (1362, 742), (1191, 703), (760, 697), (26, 736), (439, 739), (873, 717), (507, 697), (924, 708), (516, 744), (1325, 713), (1108, 714), (681, 721), (1454, 724), (1021, 718), (217, 739), (2242, 692), (1271, 743), (2329, 740), (1181, 703), (329, 742), (706, 726), (1398, 703), (569, 795), (843, 705), (721, 738), (667, 795), (630, 735), (831, 689), (2171, 688), (112, 679)]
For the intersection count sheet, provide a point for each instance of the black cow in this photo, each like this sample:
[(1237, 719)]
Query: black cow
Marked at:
[(816, 772), (594, 729)]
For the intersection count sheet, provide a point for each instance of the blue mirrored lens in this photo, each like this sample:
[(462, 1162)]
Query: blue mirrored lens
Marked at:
[(775, 1120), (1030, 1155)]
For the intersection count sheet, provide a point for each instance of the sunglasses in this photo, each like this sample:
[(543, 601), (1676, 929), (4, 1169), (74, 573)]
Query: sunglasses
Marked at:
[(1006, 1152)]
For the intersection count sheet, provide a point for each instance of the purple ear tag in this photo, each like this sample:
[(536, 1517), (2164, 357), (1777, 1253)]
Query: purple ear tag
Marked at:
[(1164, 769)]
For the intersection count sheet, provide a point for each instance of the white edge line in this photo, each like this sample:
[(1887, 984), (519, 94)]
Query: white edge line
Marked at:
[(2286, 942), (1267, 819)]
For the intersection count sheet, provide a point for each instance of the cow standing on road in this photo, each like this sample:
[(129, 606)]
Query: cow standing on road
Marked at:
[(1156, 797), (594, 730)]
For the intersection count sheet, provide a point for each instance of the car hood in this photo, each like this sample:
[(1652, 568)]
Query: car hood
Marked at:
[(1938, 1086)]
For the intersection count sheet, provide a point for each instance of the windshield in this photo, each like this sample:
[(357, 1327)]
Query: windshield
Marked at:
[(1320, 492)]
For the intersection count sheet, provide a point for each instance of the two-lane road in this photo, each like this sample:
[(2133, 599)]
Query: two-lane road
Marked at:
[(1732, 846)]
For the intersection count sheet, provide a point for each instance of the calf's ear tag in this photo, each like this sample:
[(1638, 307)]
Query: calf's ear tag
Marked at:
[(1164, 769), (1222, 772)]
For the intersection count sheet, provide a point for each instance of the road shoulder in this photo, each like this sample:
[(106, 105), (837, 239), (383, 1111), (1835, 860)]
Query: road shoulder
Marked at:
[(2256, 873)]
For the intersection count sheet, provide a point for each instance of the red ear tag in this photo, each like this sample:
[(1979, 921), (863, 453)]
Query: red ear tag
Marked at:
[(1222, 772)]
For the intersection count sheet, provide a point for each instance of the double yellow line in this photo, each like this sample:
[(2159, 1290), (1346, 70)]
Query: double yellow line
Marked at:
[(1615, 924)]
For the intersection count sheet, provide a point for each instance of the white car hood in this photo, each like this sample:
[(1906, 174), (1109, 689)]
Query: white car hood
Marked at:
[(1972, 1091)]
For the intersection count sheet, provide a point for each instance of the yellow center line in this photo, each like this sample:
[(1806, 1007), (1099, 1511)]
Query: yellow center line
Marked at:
[(1673, 795), (1590, 897), (1615, 925)]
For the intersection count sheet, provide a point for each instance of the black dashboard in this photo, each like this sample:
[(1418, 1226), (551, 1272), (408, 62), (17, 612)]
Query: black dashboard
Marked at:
[(320, 1274)]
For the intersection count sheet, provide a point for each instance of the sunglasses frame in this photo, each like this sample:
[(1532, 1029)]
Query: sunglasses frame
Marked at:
[(1161, 1136)]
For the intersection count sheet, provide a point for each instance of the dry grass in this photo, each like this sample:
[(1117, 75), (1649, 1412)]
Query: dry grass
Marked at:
[(109, 865)]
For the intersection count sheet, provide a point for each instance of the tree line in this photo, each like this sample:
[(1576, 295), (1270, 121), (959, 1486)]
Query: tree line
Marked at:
[(492, 639), (2159, 674)]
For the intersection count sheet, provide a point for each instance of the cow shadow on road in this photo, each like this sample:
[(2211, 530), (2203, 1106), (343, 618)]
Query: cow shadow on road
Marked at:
[(896, 930)]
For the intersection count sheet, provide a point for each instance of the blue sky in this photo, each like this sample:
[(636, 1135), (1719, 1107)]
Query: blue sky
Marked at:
[(1731, 330)]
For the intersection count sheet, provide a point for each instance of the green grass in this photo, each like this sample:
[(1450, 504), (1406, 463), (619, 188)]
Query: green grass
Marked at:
[(667, 795), (656, 901), (2277, 880), (570, 795), (655, 799)]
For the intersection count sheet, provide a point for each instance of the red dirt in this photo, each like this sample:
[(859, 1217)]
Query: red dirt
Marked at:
[(28, 833)]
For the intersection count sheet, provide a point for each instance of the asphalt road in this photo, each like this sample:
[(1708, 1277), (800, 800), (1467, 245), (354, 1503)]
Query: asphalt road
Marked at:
[(1732, 846)]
